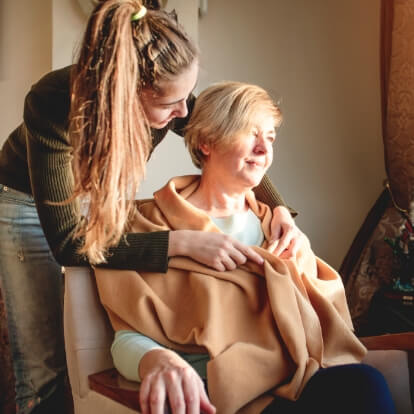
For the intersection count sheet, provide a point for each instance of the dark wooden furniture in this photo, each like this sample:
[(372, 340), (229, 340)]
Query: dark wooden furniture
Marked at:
[(113, 385), (390, 313)]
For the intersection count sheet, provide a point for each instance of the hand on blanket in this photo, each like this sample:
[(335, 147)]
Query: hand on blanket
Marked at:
[(286, 237), (166, 375), (216, 250)]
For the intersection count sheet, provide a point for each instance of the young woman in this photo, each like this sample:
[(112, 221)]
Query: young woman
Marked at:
[(70, 171), (282, 330)]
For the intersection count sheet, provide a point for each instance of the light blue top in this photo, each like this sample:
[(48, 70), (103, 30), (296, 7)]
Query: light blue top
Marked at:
[(129, 347)]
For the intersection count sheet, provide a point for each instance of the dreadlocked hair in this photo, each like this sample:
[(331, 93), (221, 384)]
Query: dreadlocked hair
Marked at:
[(109, 131)]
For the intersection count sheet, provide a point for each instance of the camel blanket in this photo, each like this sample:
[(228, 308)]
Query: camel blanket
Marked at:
[(267, 328)]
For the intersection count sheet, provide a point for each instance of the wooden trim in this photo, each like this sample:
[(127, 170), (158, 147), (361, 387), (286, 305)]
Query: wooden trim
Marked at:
[(400, 341), (112, 385)]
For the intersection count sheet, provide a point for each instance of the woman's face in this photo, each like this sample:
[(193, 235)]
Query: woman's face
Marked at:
[(170, 102), (242, 164)]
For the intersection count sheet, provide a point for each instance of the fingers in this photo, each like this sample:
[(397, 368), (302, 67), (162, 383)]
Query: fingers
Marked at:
[(152, 395), (175, 391), (288, 245), (294, 246), (234, 254), (157, 397), (178, 387), (225, 263), (205, 405), (216, 250), (283, 243), (250, 254), (191, 393), (227, 257), (284, 232), (144, 391), (285, 236), (188, 393)]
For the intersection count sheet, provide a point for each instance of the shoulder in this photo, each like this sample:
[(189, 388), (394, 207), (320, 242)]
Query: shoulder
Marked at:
[(57, 80), (49, 98), (147, 217)]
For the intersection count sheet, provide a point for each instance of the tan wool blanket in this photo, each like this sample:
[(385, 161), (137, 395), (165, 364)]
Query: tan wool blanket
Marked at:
[(267, 328)]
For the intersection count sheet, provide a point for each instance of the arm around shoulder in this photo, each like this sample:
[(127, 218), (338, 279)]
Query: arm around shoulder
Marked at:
[(267, 193)]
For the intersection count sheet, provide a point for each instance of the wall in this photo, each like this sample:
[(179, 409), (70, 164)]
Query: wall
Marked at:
[(25, 55), (322, 60), (68, 23)]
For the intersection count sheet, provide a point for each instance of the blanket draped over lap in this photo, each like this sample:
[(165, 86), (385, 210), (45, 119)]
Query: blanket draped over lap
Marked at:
[(267, 328)]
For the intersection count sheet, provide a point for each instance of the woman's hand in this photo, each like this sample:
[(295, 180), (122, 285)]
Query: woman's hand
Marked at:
[(167, 376), (286, 237), (216, 250)]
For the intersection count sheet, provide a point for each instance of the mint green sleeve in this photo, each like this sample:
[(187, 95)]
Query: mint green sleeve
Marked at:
[(127, 350)]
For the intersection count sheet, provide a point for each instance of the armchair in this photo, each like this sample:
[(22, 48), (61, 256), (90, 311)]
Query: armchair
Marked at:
[(98, 388)]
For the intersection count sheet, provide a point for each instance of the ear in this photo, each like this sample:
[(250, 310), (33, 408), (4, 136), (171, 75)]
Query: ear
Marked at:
[(205, 149)]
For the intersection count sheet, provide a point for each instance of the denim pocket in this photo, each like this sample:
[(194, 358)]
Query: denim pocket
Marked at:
[(11, 195)]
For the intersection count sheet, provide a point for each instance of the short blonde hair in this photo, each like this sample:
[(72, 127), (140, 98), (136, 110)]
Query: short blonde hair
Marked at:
[(223, 110)]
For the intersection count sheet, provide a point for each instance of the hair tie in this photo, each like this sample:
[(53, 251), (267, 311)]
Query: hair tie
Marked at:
[(139, 15)]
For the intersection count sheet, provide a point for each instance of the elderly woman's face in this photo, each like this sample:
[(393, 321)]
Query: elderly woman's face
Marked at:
[(242, 164)]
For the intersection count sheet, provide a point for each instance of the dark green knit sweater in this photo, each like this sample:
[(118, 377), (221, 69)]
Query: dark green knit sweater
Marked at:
[(36, 159)]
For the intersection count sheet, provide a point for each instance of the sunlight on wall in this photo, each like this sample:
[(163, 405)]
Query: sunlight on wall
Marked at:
[(25, 55), (321, 59)]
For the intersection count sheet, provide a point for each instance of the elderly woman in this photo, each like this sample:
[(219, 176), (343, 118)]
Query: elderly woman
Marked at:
[(276, 337)]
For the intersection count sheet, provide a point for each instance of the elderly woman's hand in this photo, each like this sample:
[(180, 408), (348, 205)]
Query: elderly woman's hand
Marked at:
[(286, 237), (167, 376), (216, 250)]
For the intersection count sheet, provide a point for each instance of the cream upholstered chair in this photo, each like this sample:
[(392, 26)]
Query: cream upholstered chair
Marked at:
[(88, 337)]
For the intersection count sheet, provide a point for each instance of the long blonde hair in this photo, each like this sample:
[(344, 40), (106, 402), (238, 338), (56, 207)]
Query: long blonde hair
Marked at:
[(108, 128)]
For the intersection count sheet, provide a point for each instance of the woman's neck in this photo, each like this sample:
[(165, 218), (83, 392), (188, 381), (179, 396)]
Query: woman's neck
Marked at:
[(217, 200)]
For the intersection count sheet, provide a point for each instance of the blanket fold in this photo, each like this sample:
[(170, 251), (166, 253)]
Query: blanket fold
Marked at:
[(267, 328)]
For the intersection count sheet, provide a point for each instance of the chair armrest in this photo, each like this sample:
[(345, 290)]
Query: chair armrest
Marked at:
[(400, 341), (113, 385)]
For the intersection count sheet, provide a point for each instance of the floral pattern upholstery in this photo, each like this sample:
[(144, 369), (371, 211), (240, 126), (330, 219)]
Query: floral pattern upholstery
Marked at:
[(374, 267)]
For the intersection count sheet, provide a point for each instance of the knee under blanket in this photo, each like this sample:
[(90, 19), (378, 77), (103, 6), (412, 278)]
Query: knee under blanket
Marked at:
[(267, 328)]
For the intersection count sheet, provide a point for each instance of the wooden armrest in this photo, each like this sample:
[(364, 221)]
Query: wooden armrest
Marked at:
[(114, 386), (400, 341)]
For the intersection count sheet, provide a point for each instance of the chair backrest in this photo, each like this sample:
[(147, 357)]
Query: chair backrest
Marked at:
[(88, 333)]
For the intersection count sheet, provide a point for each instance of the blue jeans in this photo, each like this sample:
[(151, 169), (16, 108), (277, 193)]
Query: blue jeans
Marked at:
[(342, 389), (32, 286)]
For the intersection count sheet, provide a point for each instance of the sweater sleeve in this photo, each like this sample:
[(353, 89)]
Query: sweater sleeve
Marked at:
[(49, 156), (267, 193), (127, 350)]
